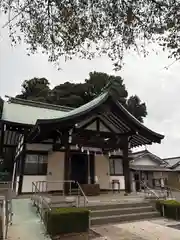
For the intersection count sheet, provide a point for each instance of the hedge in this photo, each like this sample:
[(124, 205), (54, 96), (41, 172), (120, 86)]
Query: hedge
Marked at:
[(66, 220), (169, 208)]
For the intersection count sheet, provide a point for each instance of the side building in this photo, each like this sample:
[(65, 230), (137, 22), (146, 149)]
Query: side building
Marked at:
[(58, 144)]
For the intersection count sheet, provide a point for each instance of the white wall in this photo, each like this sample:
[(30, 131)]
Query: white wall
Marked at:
[(145, 160), (121, 180), (102, 173), (27, 182), (55, 171)]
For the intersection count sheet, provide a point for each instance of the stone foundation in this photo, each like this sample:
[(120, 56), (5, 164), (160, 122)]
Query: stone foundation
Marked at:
[(72, 236)]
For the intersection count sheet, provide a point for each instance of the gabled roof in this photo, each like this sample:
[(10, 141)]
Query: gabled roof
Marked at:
[(172, 162), (149, 168), (176, 167), (108, 107), (140, 154)]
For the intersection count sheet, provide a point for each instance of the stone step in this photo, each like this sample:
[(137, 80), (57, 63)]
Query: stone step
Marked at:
[(123, 218), (121, 211)]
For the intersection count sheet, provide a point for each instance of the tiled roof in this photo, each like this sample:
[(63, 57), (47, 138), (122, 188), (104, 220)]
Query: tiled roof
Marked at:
[(149, 168), (172, 161)]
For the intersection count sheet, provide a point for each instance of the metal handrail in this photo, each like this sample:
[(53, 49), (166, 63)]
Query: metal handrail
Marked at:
[(84, 195), (173, 188), (6, 204), (42, 204), (41, 186), (149, 189)]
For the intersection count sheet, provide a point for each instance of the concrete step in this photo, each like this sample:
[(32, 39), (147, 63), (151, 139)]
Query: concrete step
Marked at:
[(104, 206), (123, 218), (121, 211)]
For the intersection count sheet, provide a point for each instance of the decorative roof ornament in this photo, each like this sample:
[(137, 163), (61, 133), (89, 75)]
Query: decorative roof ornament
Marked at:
[(115, 89)]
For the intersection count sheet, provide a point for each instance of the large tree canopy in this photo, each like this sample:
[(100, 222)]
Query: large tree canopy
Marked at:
[(90, 28), (77, 94), (35, 89)]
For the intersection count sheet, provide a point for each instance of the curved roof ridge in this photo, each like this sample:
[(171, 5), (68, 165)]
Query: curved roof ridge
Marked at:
[(38, 104), (80, 110)]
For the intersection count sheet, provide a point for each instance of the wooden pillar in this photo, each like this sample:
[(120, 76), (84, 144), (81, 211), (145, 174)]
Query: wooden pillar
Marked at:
[(22, 163), (126, 169), (92, 168), (89, 168), (67, 165), (2, 139)]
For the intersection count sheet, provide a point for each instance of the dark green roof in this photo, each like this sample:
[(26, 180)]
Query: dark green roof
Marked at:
[(125, 121)]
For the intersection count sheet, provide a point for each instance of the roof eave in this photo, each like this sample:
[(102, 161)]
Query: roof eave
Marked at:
[(157, 137)]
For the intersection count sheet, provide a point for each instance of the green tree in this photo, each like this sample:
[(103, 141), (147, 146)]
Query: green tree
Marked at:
[(92, 28), (68, 94), (136, 108), (76, 94), (36, 89)]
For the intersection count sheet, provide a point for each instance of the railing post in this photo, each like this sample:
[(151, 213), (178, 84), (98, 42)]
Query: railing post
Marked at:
[(70, 188), (162, 209)]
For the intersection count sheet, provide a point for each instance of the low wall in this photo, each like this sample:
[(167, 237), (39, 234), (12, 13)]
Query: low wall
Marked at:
[(27, 182)]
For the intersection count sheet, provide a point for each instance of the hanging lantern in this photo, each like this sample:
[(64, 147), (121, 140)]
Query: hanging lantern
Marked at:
[(70, 135), (70, 139), (82, 149)]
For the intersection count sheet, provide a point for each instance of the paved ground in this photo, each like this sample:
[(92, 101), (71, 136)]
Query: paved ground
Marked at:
[(26, 224), (149, 230), (112, 232), (142, 230)]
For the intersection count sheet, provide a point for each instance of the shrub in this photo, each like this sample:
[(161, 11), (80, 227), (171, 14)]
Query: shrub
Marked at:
[(67, 220), (169, 208)]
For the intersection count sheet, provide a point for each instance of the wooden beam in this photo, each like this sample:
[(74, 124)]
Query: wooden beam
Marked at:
[(91, 133), (10, 146)]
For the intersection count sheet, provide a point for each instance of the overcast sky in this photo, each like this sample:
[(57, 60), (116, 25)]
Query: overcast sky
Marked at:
[(146, 77)]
